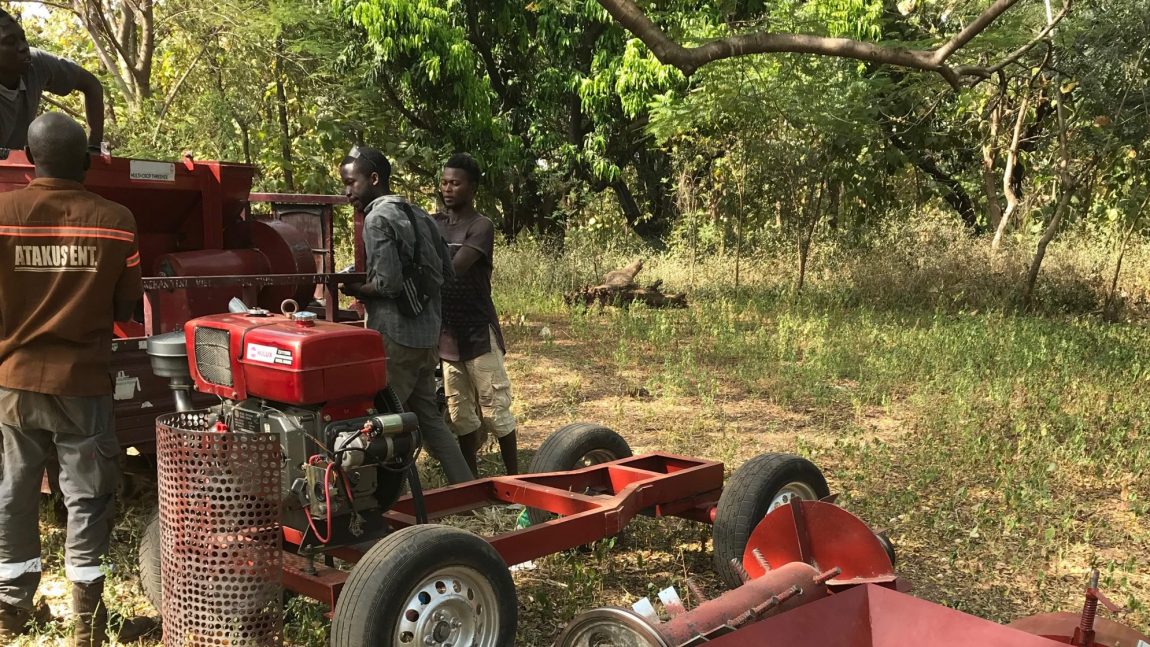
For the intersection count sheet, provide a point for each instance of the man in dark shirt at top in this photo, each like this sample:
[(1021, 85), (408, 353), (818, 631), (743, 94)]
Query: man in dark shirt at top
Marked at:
[(26, 73), (471, 344), (390, 240)]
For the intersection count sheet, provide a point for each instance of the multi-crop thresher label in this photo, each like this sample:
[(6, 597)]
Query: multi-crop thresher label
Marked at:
[(268, 354), (152, 171)]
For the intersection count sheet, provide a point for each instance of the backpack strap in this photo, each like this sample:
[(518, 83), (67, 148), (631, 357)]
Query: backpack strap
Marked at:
[(414, 230)]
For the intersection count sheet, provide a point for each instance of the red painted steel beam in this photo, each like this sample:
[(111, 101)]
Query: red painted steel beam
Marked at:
[(699, 508), (246, 280), (297, 198), (657, 481), (313, 579)]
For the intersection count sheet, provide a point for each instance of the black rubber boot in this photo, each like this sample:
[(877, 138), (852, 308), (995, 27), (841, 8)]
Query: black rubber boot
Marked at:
[(13, 622), (137, 628), (91, 615)]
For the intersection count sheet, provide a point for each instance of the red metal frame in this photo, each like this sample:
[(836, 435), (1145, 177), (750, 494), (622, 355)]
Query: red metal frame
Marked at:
[(594, 503), (874, 616)]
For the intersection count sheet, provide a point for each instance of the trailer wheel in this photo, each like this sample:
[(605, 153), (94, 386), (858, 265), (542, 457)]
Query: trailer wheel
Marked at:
[(427, 585), (759, 486), (574, 446), (149, 554)]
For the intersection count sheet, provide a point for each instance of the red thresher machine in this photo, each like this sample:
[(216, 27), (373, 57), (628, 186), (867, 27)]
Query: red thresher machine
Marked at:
[(204, 239), (304, 399)]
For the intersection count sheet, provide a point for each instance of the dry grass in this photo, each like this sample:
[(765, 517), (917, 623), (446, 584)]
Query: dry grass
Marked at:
[(1007, 454)]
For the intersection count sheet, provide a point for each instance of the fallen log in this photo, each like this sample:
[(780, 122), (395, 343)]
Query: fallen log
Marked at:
[(620, 289)]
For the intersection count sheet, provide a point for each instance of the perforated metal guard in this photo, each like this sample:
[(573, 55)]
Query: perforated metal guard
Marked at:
[(220, 548), (213, 355)]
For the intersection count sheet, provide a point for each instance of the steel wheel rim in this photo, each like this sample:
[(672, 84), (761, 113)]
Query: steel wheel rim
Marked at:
[(609, 626), (452, 607), (791, 491), (595, 457)]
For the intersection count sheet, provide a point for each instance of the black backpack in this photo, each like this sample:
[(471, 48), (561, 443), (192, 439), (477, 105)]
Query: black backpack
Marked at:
[(417, 285)]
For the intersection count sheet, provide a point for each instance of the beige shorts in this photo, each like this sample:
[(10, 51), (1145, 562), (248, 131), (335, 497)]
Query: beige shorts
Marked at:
[(479, 393)]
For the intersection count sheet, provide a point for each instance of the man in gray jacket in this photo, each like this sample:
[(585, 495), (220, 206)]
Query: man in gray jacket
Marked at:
[(411, 341)]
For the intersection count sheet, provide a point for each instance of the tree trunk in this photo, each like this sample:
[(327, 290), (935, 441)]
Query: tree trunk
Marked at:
[(284, 124), (1066, 184), (1067, 192), (739, 227), (245, 141), (1009, 180), (124, 40), (1110, 310), (836, 194), (627, 202), (653, 170), (952, 190), (812, 210), (989, 161), (508, 224)]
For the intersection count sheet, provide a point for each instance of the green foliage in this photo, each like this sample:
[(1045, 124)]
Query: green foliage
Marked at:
[(579, 126), (545, 98)]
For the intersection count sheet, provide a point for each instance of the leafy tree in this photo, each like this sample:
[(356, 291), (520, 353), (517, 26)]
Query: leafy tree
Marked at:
[(552, 98)]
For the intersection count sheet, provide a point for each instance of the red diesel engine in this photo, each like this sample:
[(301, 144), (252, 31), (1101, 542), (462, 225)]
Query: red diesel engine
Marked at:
[(322, 388), (294, 360)]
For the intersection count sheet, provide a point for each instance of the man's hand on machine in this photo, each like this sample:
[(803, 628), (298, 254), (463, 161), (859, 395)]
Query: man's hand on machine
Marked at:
[(359, 290), (352, 289)]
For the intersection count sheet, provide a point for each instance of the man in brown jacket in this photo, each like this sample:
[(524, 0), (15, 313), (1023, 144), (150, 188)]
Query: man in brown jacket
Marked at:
[(69, 266)]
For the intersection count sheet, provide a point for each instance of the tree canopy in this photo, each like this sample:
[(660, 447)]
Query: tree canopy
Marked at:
[(735, 120)]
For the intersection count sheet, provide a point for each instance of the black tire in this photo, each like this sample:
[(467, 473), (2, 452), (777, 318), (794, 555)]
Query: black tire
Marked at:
[(392, 586), (888, 546), (149, 553), (579, 444), (747, 497)]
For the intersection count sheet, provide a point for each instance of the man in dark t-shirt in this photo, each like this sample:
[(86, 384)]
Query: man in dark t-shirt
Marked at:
[(26, 73), (471, 343)]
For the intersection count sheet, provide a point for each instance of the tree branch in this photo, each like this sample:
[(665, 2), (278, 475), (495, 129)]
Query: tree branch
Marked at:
[(60, 106), (397, 103), (54, 5), (481, 44), (690, 59), (148, 45), (179, 83), (108, 60), (973, 29), (1041, 38)]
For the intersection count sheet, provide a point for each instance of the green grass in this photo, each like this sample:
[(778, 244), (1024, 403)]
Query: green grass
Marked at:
[(1006, 453)]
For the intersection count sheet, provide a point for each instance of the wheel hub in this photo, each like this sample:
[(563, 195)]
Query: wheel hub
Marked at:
[(453, 607), (596, 457), (610, 627), (791, 491)]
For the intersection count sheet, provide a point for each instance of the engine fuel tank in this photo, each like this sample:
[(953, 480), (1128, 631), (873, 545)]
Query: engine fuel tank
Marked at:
[(292, 360)]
